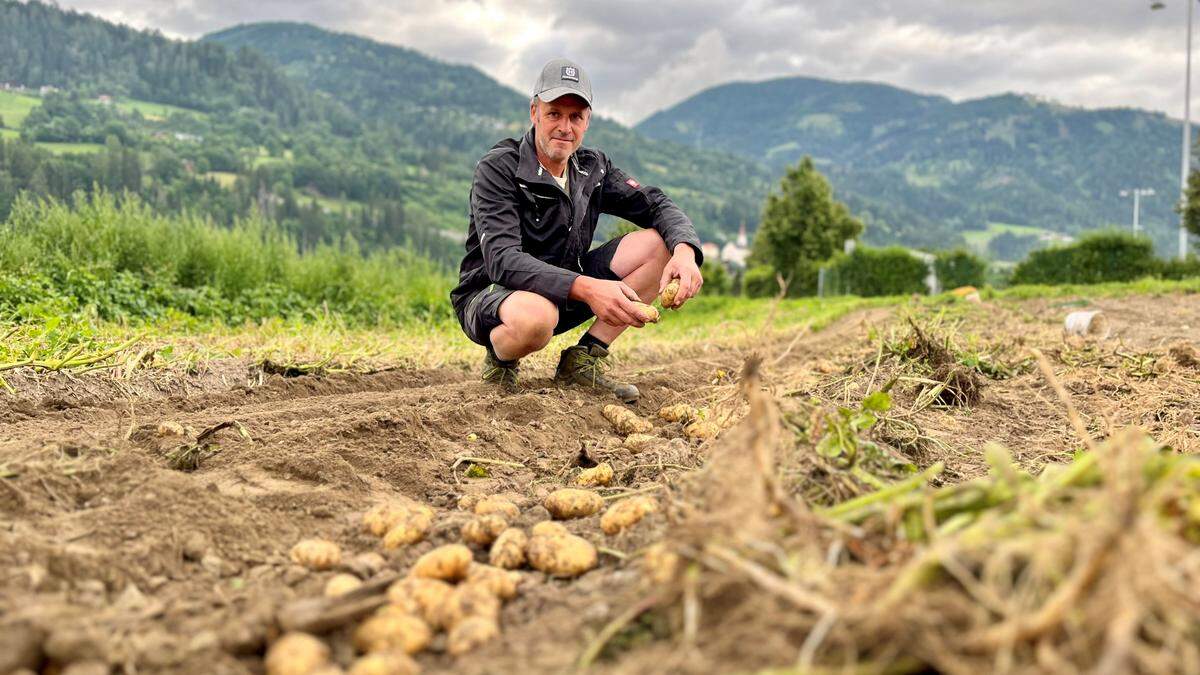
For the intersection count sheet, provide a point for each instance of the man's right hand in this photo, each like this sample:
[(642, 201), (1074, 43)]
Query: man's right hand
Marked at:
[(611, 301)]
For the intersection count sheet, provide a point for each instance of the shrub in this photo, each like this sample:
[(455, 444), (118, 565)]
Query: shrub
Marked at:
[(1096, 258), (876, 271), (1177, 270), (759, 282), (960, 268), (117, 259)]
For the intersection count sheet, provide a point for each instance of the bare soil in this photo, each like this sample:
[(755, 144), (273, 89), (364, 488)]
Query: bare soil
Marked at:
[(107, 553)]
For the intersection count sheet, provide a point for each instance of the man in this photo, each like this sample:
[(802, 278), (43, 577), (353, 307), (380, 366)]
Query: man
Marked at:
[(528, 274)]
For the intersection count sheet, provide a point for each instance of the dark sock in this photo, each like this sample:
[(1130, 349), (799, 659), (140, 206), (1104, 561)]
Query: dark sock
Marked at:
[(502, 362), (588, 340)]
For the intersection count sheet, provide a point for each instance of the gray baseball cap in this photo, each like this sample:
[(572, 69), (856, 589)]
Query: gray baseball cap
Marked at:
[(561, 77)]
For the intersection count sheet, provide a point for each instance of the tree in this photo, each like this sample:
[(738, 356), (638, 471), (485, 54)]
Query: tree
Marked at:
[(1191, 204), (802, 227)]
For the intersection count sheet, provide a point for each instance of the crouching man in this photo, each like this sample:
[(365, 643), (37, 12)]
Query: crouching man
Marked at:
[(529, 274)]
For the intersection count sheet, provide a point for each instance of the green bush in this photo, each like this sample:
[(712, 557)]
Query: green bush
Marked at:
[(1178, 270), (1096, 258), (759, 282), (876, 271), (118, 260), (717, 280), (960, 268)]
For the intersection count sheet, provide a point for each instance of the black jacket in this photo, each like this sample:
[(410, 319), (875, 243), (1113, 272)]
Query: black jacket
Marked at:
[(527, 234)]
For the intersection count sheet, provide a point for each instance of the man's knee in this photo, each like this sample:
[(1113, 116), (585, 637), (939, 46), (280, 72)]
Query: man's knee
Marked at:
[(531, 317)]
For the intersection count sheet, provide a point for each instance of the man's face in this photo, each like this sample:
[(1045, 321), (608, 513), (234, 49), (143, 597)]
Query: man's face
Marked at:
[(560, 125)]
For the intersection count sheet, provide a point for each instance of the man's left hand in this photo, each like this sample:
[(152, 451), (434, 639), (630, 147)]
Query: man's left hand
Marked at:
[(682, 266)]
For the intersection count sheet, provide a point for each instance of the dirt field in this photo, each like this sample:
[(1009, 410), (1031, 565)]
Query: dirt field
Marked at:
[(108, 554)]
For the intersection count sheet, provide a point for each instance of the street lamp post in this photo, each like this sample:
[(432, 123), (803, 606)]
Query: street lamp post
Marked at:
[(1187, 135), (1187, 129), (1137, 194)]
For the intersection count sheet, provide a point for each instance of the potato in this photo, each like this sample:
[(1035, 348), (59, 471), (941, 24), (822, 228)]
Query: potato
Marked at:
[(468, 502), (483, 530), (466, 600), (626, 421), (296, 654), (680, 412), (639, 442), (563, 555), (391, 628), (508, 551), (500, 582), (393, 662), (381, 518), (647, 313), (601, 474), (316, 554), (701, 430), (497, 505), (411, 528), (549, 528), (660, 564), (341, 584), (419, 596), (627, 513), (446, 563), (572, 503), (470, 634), (668, 295)]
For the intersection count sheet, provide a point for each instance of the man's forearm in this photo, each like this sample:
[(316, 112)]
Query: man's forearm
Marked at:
[(581, 288)]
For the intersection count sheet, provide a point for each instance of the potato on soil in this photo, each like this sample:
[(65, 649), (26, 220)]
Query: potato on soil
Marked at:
[(415, 595), (341, 584), (316, 554), (296, 654), (627, 513), (549, 528), (508, 551), (668, 295), (447, 563), (660, 564), (381, 518), (572, 503), (647, 313), (483, 530), (563, 555), (412, 528), (497, 505), (680, 412), (500, 582), (470, 634), (639, 442), (465, 601), (392, 628), (601, 474), (626, 421), (393, 662), (701, 430)]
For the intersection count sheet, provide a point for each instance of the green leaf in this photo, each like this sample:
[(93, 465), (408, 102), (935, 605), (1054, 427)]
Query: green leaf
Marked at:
[(880, 401)]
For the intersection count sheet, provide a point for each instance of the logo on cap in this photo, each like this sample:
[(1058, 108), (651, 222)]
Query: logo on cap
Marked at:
[(570, 73)]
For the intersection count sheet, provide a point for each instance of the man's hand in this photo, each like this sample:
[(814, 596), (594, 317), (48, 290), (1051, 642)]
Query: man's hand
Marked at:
[(611, 301), (682, 266)]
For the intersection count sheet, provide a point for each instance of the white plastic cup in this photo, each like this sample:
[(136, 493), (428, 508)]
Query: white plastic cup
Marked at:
[(1088, 324)]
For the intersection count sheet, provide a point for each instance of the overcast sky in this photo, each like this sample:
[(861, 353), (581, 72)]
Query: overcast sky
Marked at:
[(646, 56)]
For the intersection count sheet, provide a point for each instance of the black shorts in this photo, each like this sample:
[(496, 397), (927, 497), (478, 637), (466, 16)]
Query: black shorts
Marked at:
[(482, 312)]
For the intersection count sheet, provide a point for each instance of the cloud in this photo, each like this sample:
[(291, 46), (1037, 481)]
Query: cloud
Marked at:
[(647, 56)]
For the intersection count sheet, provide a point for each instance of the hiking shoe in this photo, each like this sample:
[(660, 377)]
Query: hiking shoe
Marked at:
[(586, 365), (503, 373)]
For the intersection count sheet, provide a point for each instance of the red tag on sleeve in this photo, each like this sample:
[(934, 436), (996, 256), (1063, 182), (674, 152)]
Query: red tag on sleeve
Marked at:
[(633, 183)]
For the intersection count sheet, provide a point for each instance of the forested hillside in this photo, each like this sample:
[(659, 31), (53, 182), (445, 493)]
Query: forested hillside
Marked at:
[(924, 170), (332, 136)]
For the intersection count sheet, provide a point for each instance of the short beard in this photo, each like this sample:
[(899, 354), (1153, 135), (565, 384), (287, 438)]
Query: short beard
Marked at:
[(548, 149)]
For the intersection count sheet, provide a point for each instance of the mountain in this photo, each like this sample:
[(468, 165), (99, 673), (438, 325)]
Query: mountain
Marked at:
[(336, 138), (461, 111), (927, 171)]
